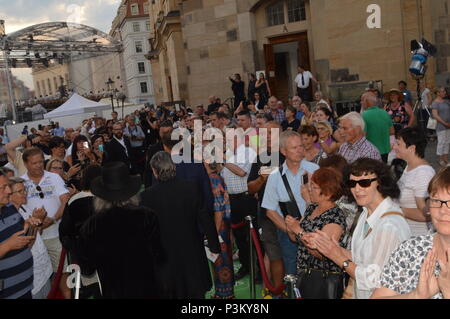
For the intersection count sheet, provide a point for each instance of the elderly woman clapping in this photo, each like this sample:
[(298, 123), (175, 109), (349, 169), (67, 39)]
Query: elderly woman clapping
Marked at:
[(420, 267)]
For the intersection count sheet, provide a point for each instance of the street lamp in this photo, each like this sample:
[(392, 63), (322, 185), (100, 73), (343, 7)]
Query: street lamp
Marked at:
[(121, 97), (110, 84)]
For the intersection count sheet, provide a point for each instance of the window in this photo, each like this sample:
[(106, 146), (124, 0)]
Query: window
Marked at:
[(275, 14), (296, 10), (146, 8), (134, 9), (141, 67), (144, 88), (147, 26), (136, 27), (56, 84), (138, 45), (44, 90)]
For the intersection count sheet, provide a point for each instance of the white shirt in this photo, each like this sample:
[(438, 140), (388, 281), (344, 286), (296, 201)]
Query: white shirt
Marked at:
[(307, 76), (370, 254), (244, 158), (425, 100), (42, 265), (414, 183), (52, 186)]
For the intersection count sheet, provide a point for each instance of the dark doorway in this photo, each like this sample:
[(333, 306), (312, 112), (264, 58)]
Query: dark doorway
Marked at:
[(282, 56), (282, 74)]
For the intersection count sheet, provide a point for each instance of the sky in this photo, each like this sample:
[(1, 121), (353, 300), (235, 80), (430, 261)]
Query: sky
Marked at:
[(19, 14)]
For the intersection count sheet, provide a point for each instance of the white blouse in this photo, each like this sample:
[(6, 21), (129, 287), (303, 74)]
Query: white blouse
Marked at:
[(370, 254)]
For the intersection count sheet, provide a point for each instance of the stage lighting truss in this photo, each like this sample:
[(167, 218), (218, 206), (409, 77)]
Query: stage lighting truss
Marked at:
[(57, 42)]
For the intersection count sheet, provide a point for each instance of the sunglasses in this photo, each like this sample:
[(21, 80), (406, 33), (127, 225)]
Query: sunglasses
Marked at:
[(39, 189), (364, 183)]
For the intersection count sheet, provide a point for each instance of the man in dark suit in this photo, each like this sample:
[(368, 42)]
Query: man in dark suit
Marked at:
[(165, 129), (118, 149)]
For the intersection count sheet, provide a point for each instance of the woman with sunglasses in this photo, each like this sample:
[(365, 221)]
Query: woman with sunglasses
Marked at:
[(380, 230), (420, 267)]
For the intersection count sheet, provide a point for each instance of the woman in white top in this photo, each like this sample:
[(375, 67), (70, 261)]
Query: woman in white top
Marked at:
[(380, 230), (413, 184)]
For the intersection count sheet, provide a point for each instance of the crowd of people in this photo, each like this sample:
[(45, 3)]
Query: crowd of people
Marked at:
[(119, 198)]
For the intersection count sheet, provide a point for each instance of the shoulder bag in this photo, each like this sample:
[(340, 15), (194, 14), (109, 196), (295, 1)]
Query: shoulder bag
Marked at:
[(320, 284), (289, 208), (432, 123)]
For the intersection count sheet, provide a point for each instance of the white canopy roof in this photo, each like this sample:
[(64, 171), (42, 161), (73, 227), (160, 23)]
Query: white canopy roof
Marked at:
[(77, 105)]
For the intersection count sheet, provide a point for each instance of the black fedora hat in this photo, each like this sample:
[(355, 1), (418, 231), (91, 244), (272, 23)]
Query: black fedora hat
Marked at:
[(115, 183)]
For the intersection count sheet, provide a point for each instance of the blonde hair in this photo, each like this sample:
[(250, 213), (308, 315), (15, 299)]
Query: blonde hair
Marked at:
[(50, 163), (325, 124)]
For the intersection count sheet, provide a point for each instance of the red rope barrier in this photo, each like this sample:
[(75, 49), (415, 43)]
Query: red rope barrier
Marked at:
[(55, 293), (240, 225), (274, 290)]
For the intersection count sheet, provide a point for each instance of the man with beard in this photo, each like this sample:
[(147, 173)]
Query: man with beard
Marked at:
[(119, 148)]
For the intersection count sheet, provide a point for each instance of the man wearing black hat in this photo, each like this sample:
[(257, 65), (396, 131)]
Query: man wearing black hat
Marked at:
[(121, 240)]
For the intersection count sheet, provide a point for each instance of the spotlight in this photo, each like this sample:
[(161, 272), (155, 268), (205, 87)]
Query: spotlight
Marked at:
[(36, 55), (45, 62), (421, 52)]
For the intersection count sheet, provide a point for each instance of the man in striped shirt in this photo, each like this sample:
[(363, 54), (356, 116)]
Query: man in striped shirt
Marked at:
[(16, 261), (356, 145)]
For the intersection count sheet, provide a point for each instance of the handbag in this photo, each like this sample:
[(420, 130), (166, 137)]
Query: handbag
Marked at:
[(289, 208), (432, 123), (320, 284)]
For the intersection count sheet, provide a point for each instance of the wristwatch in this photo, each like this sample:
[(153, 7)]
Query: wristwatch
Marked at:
[(299, 236), (346, 263)]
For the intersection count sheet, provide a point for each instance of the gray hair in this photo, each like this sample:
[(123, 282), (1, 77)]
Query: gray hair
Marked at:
[(372, 99), (162, 163), (101, 204), (15, 180), (285, 136), (356, 119)]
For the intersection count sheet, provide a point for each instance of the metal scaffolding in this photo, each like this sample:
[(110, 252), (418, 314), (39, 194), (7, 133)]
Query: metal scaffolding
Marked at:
[(54, 42)]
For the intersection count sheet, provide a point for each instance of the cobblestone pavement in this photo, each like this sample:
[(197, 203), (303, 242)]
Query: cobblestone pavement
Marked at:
[(430, 155)]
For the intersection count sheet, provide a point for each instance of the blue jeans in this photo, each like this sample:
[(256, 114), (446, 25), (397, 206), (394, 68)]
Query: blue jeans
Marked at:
[(289, 251)]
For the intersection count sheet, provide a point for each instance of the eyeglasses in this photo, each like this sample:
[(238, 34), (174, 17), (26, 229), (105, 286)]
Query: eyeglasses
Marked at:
[(39, 189), (20, 191), (437, 203), (364, 183)]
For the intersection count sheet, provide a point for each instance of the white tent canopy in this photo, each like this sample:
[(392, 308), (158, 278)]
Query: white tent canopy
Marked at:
[(77, 105)]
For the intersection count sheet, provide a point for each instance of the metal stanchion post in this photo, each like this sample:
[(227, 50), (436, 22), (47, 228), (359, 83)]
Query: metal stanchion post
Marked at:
[(290, 281), (252, 262)]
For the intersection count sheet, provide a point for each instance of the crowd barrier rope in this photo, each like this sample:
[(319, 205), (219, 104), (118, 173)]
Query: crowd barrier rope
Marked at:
[(254, 237), (55, 292)]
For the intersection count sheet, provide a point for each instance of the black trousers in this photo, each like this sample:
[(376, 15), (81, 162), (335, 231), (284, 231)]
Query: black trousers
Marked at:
[(242, 205), (304, 94)]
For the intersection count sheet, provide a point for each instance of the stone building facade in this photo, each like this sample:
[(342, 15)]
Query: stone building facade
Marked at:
[(131, 26), (197, 44)]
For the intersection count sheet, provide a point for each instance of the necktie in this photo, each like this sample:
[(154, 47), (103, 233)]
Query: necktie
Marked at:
[(303, 80)]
